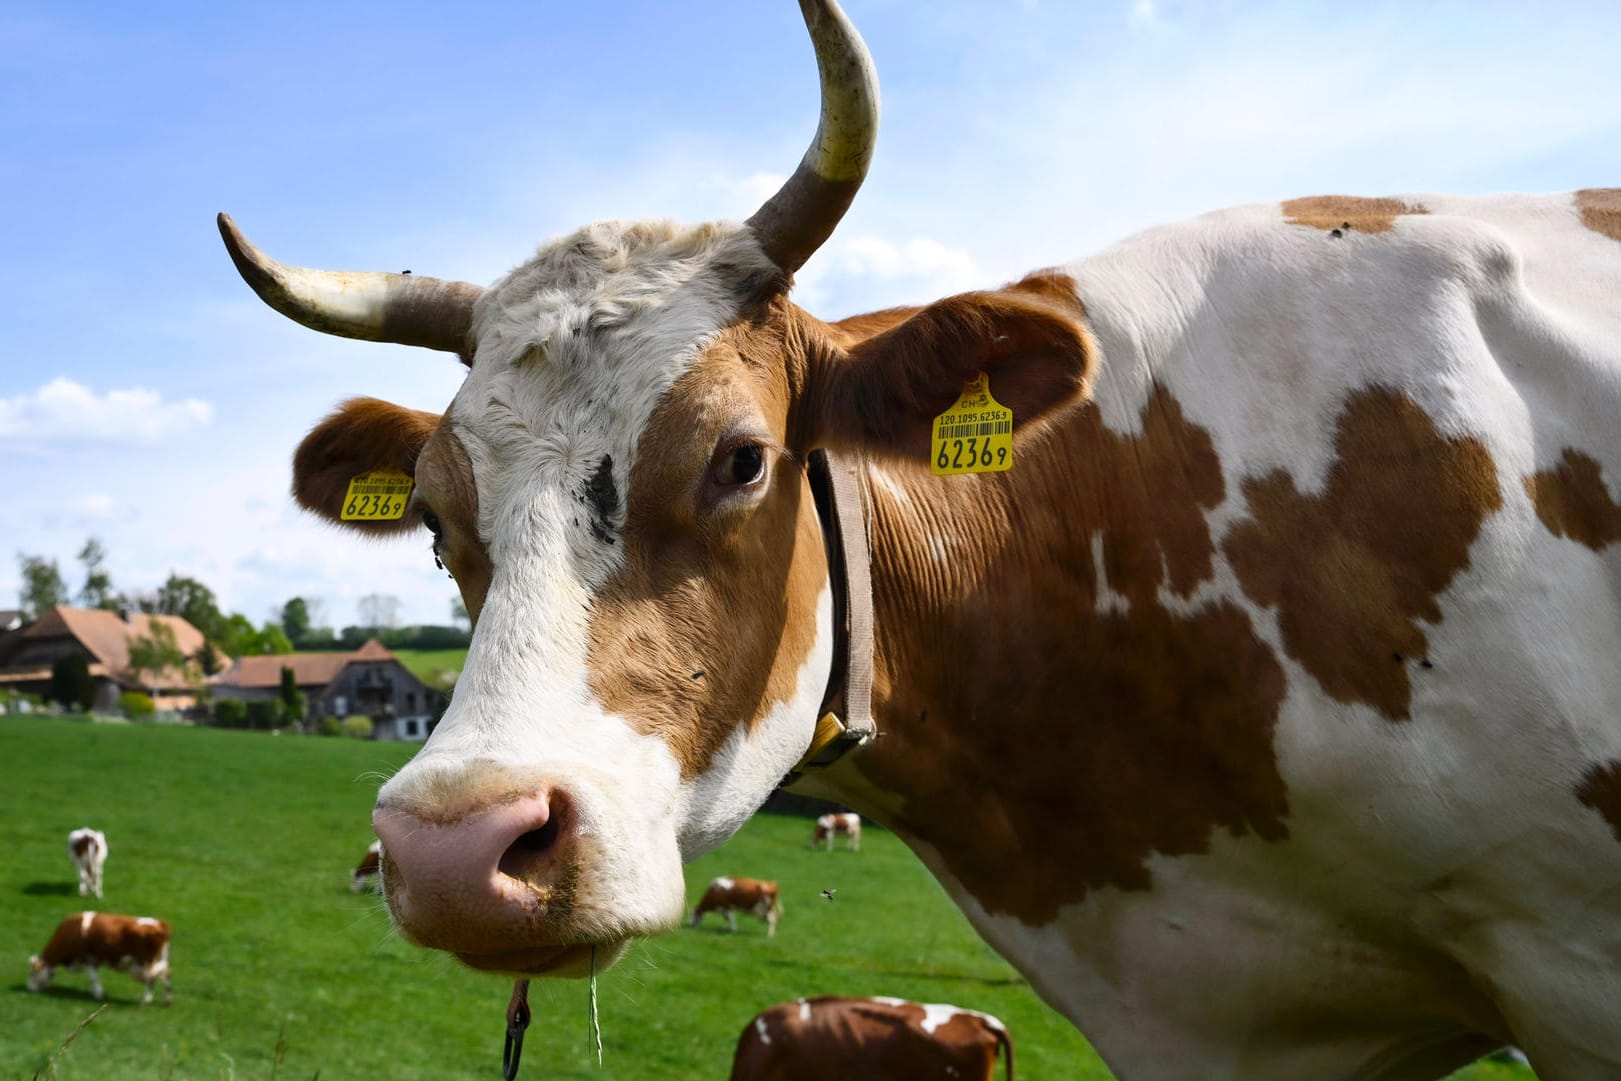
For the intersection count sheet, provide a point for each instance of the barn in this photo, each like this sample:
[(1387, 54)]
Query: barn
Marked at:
[(370, 681)]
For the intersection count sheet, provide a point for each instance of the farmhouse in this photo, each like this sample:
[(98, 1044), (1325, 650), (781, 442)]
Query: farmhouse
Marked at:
[(370, 682), (103, 639)]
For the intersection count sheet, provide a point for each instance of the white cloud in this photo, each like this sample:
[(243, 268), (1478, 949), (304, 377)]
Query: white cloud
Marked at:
[(65, 410), (749, 192), (95, 505), (1144, 12), (866, 272)]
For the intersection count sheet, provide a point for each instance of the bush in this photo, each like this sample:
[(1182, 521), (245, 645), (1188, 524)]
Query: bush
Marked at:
[(329, 726), (135, 705), (357, 726), (231, 713), (265, 713)]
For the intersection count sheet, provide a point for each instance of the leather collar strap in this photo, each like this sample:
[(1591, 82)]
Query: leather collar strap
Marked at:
[(845, 718)]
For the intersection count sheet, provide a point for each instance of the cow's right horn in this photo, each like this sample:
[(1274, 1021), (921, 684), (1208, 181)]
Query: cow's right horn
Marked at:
[(794, 222), (378, 307)]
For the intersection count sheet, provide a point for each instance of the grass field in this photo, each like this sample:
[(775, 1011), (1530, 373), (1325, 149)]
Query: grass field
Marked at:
[(244, 841), (438, 668)]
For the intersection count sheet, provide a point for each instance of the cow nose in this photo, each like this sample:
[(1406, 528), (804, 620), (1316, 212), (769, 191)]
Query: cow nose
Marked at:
[(469, 883)]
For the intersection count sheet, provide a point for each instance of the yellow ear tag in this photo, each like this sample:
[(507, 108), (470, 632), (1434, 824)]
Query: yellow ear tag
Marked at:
[(378, 496), (973, 436)]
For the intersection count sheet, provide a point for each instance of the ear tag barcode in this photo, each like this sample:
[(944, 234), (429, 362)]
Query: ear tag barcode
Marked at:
[(973, 436), (378, 496)]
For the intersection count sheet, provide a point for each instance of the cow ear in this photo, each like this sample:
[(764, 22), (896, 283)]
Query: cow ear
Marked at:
[(1030, 341), (361, 436)]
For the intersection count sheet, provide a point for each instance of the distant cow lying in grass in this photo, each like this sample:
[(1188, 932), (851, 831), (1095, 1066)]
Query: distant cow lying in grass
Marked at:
[(829, 826), (728, 896), (88, 848), (367, 872), (869, 1039), (136, 945)]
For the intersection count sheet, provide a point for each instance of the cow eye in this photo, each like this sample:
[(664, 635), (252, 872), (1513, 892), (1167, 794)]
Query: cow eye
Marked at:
[(431, 520), (743, 464)]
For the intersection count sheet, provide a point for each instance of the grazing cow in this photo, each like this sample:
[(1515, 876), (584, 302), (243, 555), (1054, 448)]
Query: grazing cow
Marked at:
[(368, 871), (88, 848), (729, 896), (829, 826), (870, 1039), (1263, 711), (136, 945)]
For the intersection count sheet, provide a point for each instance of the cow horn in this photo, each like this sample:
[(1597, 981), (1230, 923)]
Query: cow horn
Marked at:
[(372, 305), (794, 222)]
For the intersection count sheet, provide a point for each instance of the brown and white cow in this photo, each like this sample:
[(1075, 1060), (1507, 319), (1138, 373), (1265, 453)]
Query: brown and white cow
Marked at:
[(870, 1039), (135, 945), (831, 826), (729, 896), (88, 850), (367, 872), (1264, 713)]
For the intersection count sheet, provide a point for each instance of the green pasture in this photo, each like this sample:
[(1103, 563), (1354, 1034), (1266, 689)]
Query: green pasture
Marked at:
[(438, 668), (244, 842)]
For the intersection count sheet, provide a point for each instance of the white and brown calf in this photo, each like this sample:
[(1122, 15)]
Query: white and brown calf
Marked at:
[(88, 850), (135, 945), (368, 872), (1264, 712), (831, 826), (729, 896), (870, 1039)]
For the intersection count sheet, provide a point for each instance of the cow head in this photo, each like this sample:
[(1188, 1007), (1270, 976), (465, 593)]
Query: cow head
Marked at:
[(619, 489)]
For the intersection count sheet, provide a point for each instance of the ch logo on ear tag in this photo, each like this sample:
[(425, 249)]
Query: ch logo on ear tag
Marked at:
[(973, 436)]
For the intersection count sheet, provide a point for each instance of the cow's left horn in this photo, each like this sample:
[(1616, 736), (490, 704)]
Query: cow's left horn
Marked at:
[(372, 305), (794, 222)]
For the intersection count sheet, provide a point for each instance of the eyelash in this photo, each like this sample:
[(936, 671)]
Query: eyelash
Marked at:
[(430, 520)]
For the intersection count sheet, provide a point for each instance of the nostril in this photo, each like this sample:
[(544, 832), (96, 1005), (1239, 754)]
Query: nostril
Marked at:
[(524, 854)]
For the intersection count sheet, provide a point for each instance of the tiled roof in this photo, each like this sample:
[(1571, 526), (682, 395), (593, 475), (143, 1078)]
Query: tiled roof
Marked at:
[(309, 669), (106, 636)]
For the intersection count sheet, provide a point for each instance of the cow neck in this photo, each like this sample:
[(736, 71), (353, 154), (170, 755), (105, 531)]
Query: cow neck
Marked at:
[(844, 720)]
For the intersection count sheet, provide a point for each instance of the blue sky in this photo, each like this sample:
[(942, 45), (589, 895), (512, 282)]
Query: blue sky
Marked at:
[(149, 399)]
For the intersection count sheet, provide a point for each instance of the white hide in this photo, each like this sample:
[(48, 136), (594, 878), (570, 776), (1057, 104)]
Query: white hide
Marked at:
[(936, 1014)]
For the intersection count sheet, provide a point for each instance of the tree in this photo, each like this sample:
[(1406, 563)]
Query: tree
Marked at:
[(272, 640), (97, 591), (43, 587), (71, 684), (458, 612), (207, 661), (295, 619), (192, 601), (292, 699), (237, 635), (378, 610), (154, 652)]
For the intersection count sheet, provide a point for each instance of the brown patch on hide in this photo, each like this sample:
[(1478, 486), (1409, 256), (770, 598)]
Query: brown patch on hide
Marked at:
[(1030, 703), (1601, 790), (713, 614), (1347, 212), (1353, 570), (359, 436), (1601, 210), (446, 486), (1572, 501)]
